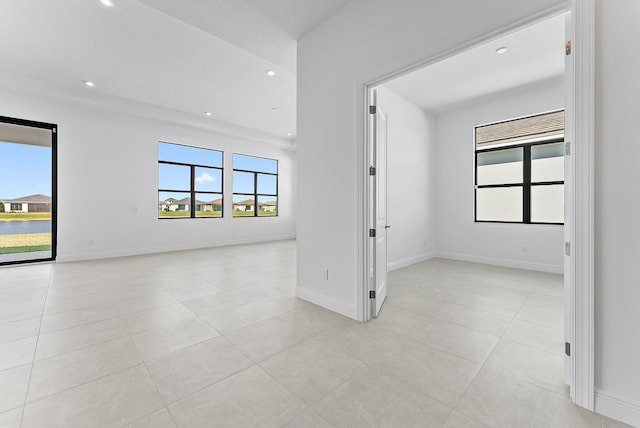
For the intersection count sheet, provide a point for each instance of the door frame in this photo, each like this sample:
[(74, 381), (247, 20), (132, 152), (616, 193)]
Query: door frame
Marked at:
[(579, 224), (54, 183), (374, 184)]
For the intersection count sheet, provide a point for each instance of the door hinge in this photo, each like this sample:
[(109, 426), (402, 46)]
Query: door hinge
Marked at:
[(567, 148), (372, 233), (567, 47), (372, 109), (567, 349), (567, 248), (372, 294), (372, 170)]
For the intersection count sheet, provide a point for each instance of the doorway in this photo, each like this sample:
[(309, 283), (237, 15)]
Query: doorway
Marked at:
[(578, 331), (28, 201)]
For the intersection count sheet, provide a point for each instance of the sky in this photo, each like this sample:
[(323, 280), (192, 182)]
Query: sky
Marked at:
[(24, 170), (177, 177)]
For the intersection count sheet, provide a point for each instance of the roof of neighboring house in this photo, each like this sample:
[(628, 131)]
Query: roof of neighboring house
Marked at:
[(245, 202), (169, 200), (216, 201), (32, 199), (186, 200), (267, 203)]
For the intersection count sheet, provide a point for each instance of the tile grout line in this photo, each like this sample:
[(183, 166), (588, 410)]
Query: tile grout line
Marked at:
[(483, 365), (86, 382), (508, 374), (166, 406), (35, 348)]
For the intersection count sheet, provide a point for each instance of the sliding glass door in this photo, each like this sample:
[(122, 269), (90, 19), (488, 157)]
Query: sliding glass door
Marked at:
[(27, 191)]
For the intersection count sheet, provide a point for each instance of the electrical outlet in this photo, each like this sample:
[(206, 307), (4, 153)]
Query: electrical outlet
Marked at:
[(325, 274), (90, 241)]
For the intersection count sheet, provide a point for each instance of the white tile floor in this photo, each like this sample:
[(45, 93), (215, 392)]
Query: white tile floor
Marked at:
[(215, 338)]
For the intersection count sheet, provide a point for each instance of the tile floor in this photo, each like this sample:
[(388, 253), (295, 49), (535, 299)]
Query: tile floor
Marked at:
[(216, 338)]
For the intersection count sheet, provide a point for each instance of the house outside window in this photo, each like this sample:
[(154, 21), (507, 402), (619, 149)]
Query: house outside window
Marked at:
[(190, 181), (519, 170), (255, 186)]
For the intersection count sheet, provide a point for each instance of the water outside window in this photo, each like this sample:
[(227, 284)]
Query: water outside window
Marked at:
[(25, 200)]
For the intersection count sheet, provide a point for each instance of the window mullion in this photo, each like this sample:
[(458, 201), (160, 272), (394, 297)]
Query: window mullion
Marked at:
[(526, 187), (255, 194), (193, 191)]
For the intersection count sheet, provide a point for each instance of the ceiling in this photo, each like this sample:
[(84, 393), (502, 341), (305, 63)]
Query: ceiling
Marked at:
[(194, 56), (197, 56), (535, 54), (266, 28)]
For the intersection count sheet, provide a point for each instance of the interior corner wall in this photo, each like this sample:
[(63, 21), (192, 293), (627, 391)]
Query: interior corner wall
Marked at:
[(108, 181), (411, 180), (339, 57), (526, 246), (336, 60)]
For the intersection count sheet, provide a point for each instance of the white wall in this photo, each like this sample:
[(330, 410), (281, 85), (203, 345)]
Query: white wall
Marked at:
[(530, 246), (617, 202), (108, 179), (335, 61), (411, 180), (340, 56)]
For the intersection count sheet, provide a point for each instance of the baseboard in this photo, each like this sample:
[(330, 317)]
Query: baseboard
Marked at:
[(615, 408), (516, 264), (410, 261), (64, 258), (327, 302)]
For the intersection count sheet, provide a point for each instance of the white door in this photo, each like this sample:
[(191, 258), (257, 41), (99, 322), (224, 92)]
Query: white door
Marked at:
[(380, 210), (569, 180)]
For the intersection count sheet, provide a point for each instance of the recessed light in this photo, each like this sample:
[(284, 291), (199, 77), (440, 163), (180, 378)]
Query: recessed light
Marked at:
[(107, 3), (271, 73), (289, 134), (207, 113), (89, 83), (502, 50), (274, 108)]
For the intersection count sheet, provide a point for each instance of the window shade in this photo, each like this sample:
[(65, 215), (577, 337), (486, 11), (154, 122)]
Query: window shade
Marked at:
[(532, 128)]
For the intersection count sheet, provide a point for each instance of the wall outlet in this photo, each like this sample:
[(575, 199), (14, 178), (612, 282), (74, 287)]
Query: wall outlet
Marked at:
[(325, 274), (90, 241)]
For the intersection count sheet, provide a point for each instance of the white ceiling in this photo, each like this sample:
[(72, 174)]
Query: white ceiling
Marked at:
[(535, 54), (187, 55), (266, 28), (212, 55)]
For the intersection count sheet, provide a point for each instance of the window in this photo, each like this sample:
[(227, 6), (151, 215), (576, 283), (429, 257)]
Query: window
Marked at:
[(255, 186), (189, 182), (520, 170), (28, 196)]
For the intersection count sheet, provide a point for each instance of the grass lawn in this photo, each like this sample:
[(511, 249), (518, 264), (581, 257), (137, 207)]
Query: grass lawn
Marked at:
[(27, 249), (181, 214), (201, 214), (251, 214), (24, 216), (24, 243)]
